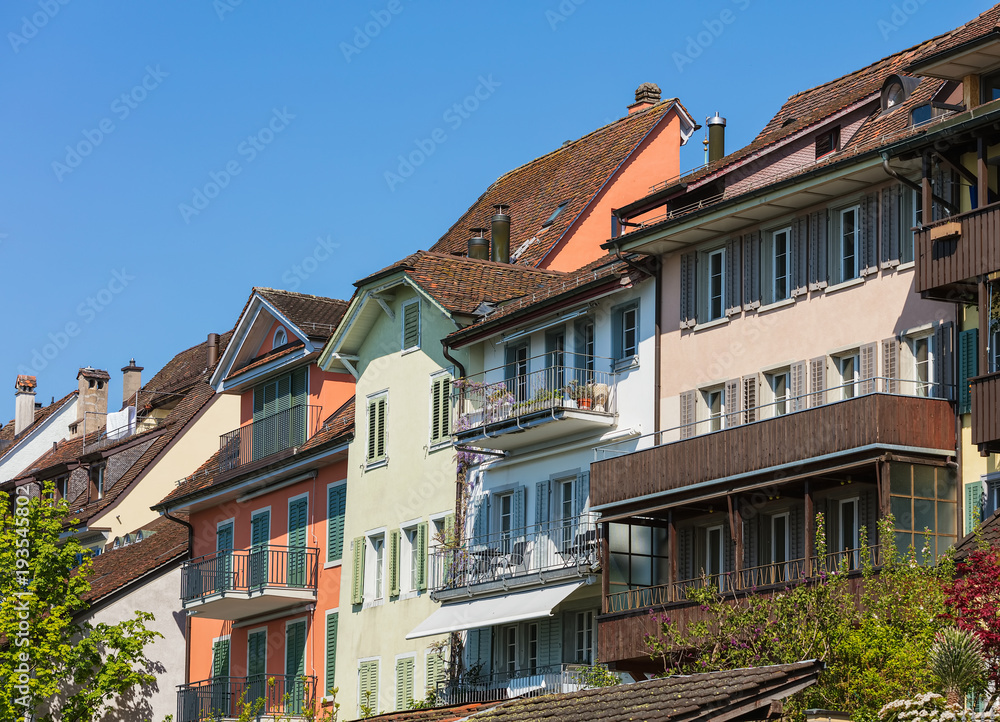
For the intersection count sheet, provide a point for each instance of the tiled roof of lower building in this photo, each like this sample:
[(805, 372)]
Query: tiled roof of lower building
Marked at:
[(438, 714), (315, 315), (988, 535), (734, 694)]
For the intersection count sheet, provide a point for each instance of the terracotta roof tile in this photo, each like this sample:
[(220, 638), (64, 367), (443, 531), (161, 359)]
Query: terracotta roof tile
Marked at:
[(979, 26), (988, 535), (438, 714), (267, 357), (315, 315), (573, 173), (7, 432), (689, 697)]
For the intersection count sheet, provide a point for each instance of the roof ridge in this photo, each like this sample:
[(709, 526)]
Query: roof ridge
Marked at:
[(299, 295), (529, 269)]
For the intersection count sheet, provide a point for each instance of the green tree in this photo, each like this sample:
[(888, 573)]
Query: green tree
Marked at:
[(52, 663)]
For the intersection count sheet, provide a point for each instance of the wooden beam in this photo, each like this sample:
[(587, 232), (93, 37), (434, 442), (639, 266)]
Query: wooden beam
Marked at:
[(810, 529), (958, 168), (672, 546), (605, 577), (927, 193), (982, 174), (737, 520)]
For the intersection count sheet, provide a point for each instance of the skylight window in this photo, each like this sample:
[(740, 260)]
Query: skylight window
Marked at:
[(555, 214), (828, 142)]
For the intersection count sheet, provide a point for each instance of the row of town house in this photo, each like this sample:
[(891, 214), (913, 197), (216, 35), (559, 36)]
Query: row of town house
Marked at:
[(605, 384)]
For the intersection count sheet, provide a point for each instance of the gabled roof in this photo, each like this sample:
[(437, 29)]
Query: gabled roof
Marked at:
[(338, 428), (41, 415), (164, 542), (574, 174), (178, 378), (454, 713), (309, 320), (987, 535), (738, 694)]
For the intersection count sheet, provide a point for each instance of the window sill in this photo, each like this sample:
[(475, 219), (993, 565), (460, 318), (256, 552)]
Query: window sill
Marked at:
[(376, 464), (627, 363), (373, 603), (406, 351), (777, 304), (331, 565), (906, 266), (439, 446), (846, 284), (710, 324), (408, 595)]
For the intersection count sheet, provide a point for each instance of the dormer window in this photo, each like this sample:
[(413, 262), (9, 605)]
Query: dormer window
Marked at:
[(921, 114), (892, 96), (828, 142), (280, 338)]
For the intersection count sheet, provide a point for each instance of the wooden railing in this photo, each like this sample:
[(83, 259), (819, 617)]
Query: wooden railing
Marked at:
[(985, 391), (956, 249)]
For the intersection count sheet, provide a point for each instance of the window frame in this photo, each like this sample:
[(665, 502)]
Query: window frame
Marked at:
[(849, 389), (584, 633), (375, 568), (720, 558), (926, 388), (839, 254), (771, 257), (833, 134), (619, 330), (716, 421), (373, 457), (779, 405), (709, 278), (444, 440), (274, 337), (97, 485)]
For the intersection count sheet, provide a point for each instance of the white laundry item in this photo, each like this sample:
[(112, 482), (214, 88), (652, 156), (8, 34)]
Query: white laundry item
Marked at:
[(121, 423)]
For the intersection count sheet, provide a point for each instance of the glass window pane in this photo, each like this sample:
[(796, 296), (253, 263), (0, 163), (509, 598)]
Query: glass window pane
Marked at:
[(660, 546), (618, 573), (902, 513), (923, 481), (618, 537), (661, 571), (946, 517), (899, 479), (642, 540), (944, 543), (903, 542), (923, 515), (642, 571), (947, 484)]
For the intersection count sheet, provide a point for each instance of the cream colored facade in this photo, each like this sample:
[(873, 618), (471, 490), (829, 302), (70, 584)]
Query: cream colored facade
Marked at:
[(414, 484), (189, 450)]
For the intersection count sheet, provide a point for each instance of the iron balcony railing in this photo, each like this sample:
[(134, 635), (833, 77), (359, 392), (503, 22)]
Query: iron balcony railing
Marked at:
[(141, 426), (268, 436), (572, 543), (509, 685), (510, 392), (249, 570), (775, 574), (227, 697)]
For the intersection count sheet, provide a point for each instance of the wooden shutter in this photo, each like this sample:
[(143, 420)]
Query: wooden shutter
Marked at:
[(869, 366), (257, 653), (799, 266), (750, 411), (299, 387), (542, 490), (479, 646), (518, 504), (441, 410), (411, 325), (336, 508), (332, 620), (295, 649), (283, 398), (973, 505), (404, 683), (449, 528), (797, 379), (868, 261), (892, 225), (685, 554), (550, 641), (751, 271), (376, 428), (297, 522), (944, 361), (688, 410), (394, 537), (818, 275), (689, 297), (581, 491), (381, 427), (968, 367), (890, 365), (369, 684), (796, 532), (480, 521), (733, 399), (733, 275), (422, 531), (817, 381), (434, 674), (358, 571), (220, 658)]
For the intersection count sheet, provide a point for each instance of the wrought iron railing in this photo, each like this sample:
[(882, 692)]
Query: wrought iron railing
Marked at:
[(775, 574), (268, 436), (503, 394), (249, 570), (509, 685), (142, 425), (228, 697), (569, 543)]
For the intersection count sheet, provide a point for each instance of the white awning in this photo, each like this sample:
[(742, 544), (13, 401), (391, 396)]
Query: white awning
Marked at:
[(490, 610)]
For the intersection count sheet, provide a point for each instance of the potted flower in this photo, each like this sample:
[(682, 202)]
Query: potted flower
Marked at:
[(498, 403), (583, 394), (600, 397)]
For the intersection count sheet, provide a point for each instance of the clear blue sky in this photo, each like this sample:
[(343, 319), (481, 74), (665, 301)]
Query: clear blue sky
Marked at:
[(218, 72)]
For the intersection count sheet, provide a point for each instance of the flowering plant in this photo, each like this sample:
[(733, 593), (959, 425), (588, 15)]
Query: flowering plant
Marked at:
[(928, 707)]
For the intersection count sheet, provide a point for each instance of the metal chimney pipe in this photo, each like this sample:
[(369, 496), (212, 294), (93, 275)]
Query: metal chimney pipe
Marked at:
[(716, 137), (213, 349), (479, 247), (500, 234)]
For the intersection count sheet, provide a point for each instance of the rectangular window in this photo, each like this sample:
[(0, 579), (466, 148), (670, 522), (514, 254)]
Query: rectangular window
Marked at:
[(849, 367), (921, 350), (848, 236), (336, 509), (516, 371), (638, 557), (778, 383), (779, 540), (555, 359), (828, 142), (409, 560), (368, 688), (779, 260), (375, 567), (714, 551), (924, 501), (584, 637), (533, 648), (625, 332), (716, 284), (62, 487), (509, 649), (714, 406), (847, 536), (587, 332), (97, 481), (377, 408), (440, 408), (411, 326)]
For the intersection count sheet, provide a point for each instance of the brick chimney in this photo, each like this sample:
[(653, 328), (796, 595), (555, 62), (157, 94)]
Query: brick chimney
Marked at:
[(646, 96), (131, 382), (92, 401), (24, 403)]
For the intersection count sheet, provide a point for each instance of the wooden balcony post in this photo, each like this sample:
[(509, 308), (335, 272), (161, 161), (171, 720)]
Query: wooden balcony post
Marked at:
[(672, 546), (810, 529), (605, 568), (927, 194), (736, 529), (982, 174)]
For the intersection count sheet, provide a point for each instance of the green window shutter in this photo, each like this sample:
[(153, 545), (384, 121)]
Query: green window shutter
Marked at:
[(372, 430), (394, 563), (358, 572), (220, 658), (422, 556), (445, 408), (968, 367), (380, 446), (542, 502), (369, 684), (973, 508), (295, 649), (299, 384), (376, 428), (332, 621), (449, 529), (258, 402), (440, 410), (550, 641), (257, 653), (434, 674), (283, 401), (411, 325), (336, 508), (404, 683), (519, 507)]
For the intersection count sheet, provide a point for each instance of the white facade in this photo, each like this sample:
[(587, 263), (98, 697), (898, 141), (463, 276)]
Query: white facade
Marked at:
[(31, 446)]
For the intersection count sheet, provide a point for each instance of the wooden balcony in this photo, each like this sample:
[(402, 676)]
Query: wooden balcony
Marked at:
[(986, 411), (951, 254), (861, 426)]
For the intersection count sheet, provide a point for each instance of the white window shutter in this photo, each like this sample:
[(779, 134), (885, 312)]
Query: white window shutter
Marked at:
[(817, 381), (869, 364), (797, 374), (750, 411), (733, 402), (890, 365), (688, 400)]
